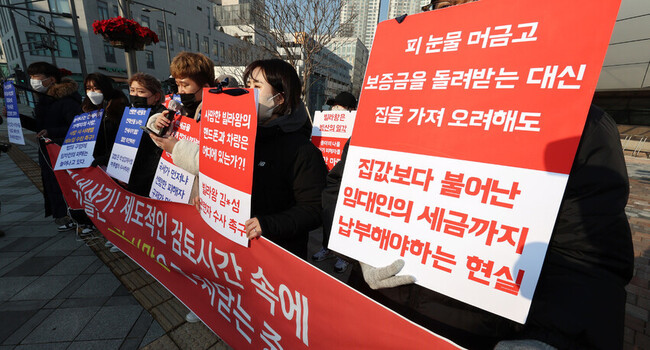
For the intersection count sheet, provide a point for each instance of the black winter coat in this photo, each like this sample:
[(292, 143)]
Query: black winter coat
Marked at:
[(113, 111), (580, 298), (57, 108), (145, 163), (288, 179)]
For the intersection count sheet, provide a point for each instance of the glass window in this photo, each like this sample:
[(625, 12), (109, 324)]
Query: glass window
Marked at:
[(181, 37), (102, 9), (109, 53), (197, 42), (60, 6), (161, 34), (215, 49), (144, 21), (223, 51), (149, 56), (170, 32), (116, 11), (206, 45), (189, 40)]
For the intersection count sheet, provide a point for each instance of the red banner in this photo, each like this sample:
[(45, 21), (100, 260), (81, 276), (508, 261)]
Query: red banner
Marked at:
[(256, 297)]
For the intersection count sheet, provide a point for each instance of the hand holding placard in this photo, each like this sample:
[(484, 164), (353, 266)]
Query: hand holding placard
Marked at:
[(385, 277)]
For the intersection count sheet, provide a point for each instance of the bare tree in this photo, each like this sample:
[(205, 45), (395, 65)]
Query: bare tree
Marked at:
[(297, 31)]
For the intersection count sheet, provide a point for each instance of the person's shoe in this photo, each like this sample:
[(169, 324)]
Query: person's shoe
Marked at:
[(87, 230), (192, 318), (114, 249), (62, 220), (66, 227), (108, 244), (341, 265), (322, 254)]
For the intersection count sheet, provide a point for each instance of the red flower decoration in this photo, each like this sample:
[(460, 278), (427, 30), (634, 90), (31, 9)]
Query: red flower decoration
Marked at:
[(129, 33)]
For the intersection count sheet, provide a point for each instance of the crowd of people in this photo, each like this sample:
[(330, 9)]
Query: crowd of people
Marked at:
[(580, 298)]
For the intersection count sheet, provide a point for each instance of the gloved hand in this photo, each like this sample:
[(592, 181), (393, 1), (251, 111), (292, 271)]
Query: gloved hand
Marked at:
[(384, 277)]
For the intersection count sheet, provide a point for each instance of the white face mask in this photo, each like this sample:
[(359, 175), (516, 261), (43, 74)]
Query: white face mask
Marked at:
[(95, 97), (339, 108), (265, 108), (37, 85)]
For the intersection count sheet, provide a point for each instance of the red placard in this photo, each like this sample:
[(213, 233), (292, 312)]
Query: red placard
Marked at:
[(468, 123), (526, 56), (228, 129)]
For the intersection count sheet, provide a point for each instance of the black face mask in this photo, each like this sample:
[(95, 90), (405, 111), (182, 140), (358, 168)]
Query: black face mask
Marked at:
[(138, 101), (190, 103)]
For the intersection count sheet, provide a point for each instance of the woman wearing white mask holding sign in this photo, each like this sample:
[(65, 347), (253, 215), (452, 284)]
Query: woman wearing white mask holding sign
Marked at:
[(100, 94), (289, 172)]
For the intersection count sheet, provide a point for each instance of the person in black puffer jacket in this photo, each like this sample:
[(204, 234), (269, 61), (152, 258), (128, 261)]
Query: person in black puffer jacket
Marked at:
[(58, 104)]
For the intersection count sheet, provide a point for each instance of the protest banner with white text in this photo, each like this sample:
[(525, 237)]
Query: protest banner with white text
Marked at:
[(14, 128), (79, 143), (253, 298)]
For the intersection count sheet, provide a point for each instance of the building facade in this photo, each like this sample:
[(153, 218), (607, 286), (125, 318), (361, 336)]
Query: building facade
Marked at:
[(354, 52), (192, 28), (359, 19), (397, 8)]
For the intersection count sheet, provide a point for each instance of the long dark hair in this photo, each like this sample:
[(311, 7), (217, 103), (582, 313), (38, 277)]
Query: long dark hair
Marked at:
[(105, 84), (283, 78)]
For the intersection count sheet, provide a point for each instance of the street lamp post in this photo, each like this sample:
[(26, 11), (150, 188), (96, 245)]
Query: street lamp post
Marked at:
[(165, 30)]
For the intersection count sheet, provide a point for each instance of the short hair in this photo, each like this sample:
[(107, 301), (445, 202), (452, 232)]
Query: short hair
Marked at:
[(442, 4), (149, 82), (283, 79), (47, 69), (195, 66)]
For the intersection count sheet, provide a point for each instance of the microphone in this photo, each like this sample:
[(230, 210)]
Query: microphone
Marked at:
[(173, 107)]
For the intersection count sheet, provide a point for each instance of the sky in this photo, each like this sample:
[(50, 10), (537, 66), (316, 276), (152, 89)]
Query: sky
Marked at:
[(383, 10)]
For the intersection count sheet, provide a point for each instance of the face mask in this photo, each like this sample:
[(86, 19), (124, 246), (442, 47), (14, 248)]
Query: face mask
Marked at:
[(138, 101), (339, 108), (265, 108), (190, 103), (95, 97), (37, 85)]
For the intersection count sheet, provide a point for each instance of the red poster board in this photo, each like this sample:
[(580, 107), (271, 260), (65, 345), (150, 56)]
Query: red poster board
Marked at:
[(227, 153), (453, 164)]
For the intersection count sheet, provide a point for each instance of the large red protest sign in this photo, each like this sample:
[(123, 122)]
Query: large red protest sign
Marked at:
[(467, 126), (253, 298), (227, 152)]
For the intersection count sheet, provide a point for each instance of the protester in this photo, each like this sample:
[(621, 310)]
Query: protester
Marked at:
[(344, 101), (58, 104), (228, 79), (290, 171), (145, 91), (192, 72), (100, 94), (580, 297)]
